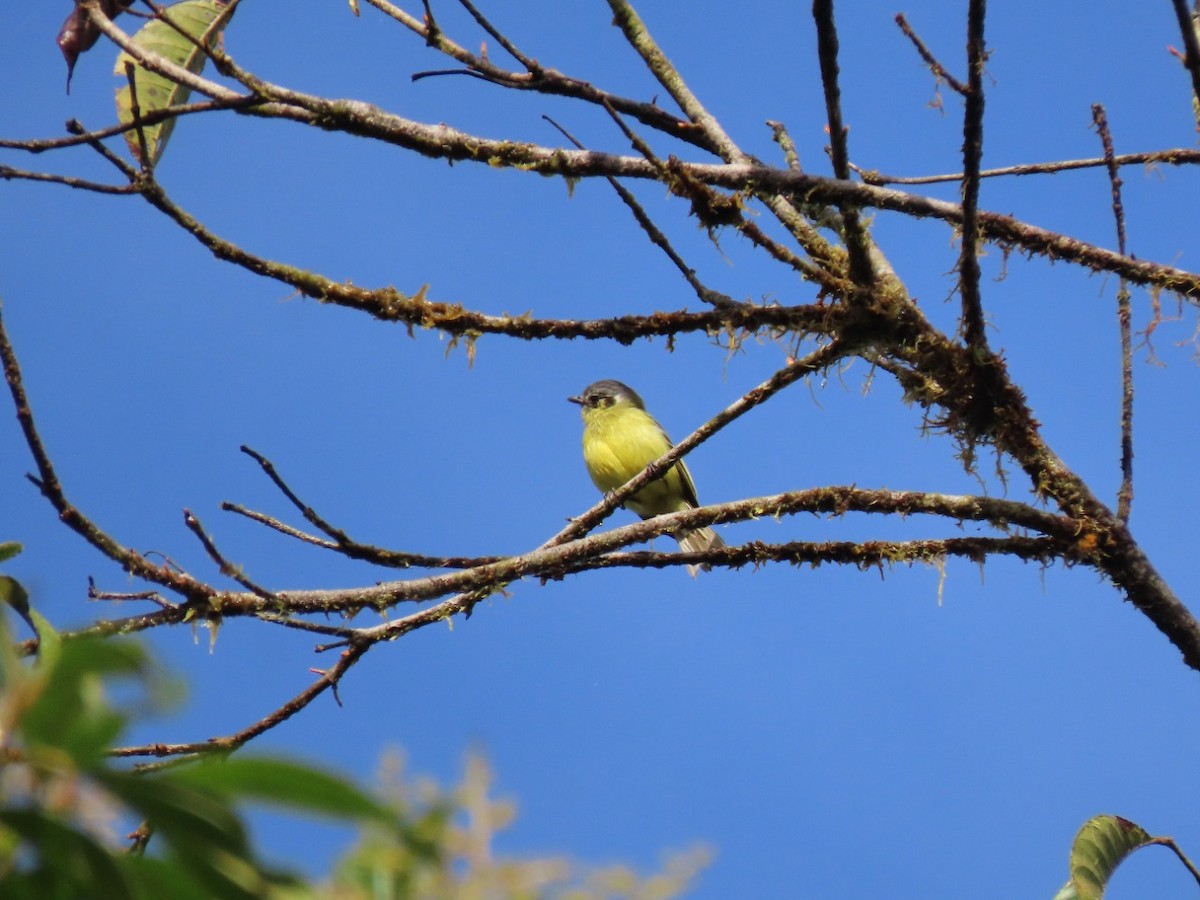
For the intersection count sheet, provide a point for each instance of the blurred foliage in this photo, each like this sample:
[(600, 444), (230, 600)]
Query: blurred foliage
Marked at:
[(62, 796), (447, 854)]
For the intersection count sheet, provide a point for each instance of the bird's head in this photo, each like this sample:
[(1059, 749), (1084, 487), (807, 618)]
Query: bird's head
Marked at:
[(606, 394)]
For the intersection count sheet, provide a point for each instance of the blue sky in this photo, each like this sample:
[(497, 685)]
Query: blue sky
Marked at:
[(829, 733)]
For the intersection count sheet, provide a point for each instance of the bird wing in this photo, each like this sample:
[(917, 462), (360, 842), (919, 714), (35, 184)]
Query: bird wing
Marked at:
[(687, 486)]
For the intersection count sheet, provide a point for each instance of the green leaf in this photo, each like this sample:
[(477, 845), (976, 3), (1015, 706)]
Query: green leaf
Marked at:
[(157, 877), (178, 811), (13, 672), (8, 550), (49, 648), (1100, 846), (202, 834), (201, 22), (62, 858), (288, 784), (15, 596), (72, 712)]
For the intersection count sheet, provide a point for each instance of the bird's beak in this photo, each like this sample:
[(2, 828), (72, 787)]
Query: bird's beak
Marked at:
[(578, 400)]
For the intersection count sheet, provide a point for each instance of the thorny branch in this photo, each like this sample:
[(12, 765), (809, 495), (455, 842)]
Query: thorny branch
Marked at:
[(861, 310)]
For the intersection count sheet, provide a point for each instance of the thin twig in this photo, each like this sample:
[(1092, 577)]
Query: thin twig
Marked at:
[(394, 559), (227, 568), (1124, 322), (8, 173), (135, 112), (660, 240), (1178, 157), (130, 173), (342, 542), (857, 241), (1191, 43), (281, 527), (94, 593), (469, 73), (152, 117), (307, 511), (529, 63), (939, 71), (311, 627), (546, 80), (227, 744), (1175, 848)]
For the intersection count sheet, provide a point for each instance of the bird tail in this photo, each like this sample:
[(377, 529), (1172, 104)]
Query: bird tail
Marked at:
[(700, 539)]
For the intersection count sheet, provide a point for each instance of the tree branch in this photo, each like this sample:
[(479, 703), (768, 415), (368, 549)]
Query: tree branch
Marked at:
[(974, 331), (1124, 322), (545, 80), (1191, 44), (939, 71), (1176, 157), (855, 234)]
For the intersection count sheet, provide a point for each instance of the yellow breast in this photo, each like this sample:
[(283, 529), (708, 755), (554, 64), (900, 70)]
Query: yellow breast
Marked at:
[(618, 442)]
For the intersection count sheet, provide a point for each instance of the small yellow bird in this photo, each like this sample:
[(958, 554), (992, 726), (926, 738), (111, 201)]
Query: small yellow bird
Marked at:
[(619, 440)]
